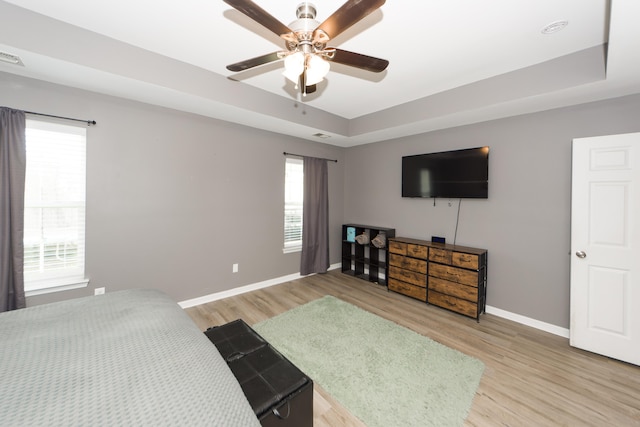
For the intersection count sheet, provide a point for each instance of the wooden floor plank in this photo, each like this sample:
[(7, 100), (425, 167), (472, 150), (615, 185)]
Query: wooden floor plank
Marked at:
[(531, 378)]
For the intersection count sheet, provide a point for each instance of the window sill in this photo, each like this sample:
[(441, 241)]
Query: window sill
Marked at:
[(48, 287), (291, 249)]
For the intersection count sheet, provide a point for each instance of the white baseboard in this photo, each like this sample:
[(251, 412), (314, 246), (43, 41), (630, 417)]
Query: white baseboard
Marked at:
[(244, 289), (547, 327)]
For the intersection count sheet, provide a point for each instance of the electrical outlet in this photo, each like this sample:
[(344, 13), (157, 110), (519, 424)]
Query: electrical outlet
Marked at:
[(235, 268), (98, 291)]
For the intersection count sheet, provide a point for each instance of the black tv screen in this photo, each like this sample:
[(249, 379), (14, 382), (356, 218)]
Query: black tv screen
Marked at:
[(448, 174)]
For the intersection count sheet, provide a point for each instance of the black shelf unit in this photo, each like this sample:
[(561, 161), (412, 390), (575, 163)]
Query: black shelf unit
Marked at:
[(367, 261)]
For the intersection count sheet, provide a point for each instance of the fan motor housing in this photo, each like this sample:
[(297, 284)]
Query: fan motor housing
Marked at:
[(303, 28)]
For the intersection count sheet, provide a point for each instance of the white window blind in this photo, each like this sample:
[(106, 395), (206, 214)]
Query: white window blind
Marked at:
[(293, 196), (54, 212)]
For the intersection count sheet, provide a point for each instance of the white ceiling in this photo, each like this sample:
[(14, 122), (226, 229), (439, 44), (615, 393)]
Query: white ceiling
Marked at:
[(452, 62)]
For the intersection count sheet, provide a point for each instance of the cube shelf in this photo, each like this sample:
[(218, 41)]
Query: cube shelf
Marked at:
[(366, 261)]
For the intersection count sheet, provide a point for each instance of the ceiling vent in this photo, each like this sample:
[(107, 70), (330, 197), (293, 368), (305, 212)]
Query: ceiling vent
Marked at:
[(10, 59), (554, 27)]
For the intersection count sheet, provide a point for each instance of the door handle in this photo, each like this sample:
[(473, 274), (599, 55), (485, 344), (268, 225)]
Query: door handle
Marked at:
[(581, 254)]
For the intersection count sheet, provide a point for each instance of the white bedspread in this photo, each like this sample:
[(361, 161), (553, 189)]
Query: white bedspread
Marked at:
[(129, 358)]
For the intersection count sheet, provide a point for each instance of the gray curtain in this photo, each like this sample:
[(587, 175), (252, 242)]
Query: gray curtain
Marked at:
[(13, 162), (315, 217)]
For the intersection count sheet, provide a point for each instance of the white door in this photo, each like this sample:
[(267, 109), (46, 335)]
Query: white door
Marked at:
[(605, 246)]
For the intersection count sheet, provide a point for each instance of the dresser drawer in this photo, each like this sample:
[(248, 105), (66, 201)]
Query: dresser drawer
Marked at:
[(408, 276), (407, 289), (454, 274), (460, 259), (454, 304), (442, 256), (417, 265), (457, 290), (417, 251), (399, 248)]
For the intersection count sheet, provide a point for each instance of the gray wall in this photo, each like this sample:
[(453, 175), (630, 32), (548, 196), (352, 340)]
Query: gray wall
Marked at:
[(174, 199), (525, 223)]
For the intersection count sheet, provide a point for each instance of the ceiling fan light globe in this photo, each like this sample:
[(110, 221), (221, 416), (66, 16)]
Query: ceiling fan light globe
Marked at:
[(293, 66), (291, 76), (317, 69)]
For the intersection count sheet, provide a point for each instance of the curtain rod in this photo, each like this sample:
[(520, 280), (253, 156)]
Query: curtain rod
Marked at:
[(300, 155), (88, 122)]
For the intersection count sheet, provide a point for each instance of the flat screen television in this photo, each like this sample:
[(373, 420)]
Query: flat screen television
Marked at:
[(448, 174)]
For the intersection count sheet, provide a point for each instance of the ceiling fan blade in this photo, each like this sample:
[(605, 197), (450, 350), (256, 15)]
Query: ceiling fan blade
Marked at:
[(310, 89), (254, 62), (259, 15), (358, 60), (348, 14)]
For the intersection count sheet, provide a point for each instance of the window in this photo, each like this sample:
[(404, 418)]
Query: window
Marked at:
[(293, 192), (54, 208)]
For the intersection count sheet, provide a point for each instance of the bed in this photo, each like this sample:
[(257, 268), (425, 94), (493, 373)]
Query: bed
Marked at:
[(124, 358)]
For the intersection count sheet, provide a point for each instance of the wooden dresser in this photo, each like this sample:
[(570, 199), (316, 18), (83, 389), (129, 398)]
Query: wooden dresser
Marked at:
[(449, 276)]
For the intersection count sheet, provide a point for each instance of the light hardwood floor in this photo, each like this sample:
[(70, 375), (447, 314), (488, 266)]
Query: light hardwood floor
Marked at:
[(531, 378)]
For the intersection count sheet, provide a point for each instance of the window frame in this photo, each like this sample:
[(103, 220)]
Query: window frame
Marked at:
[(293, 200), (44, 281)]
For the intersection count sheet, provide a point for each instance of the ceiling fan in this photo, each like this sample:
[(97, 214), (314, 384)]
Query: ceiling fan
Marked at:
[(307, 55)]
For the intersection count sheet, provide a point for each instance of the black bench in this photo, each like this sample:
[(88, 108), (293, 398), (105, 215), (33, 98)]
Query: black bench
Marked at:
[(280, 394)]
